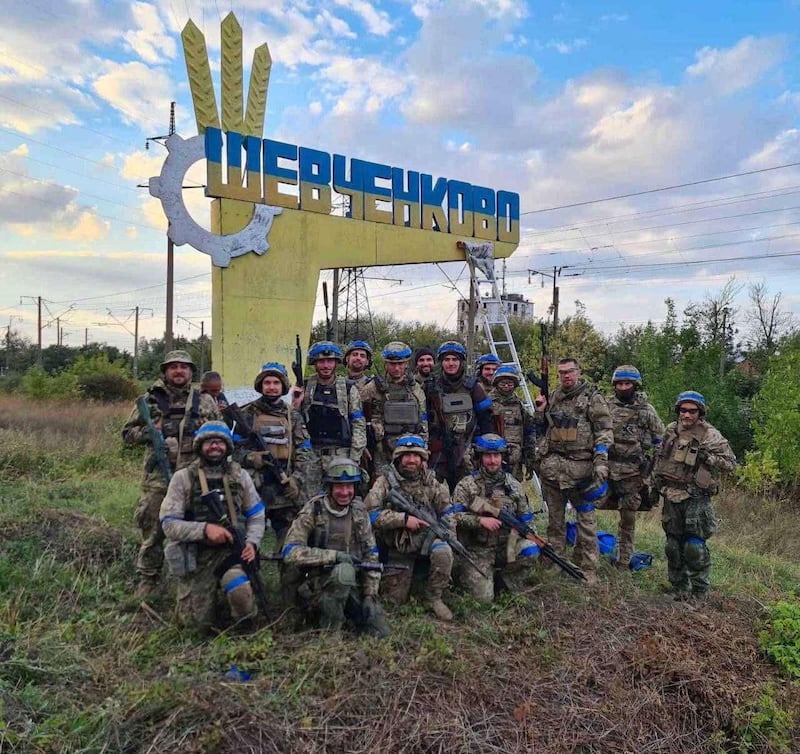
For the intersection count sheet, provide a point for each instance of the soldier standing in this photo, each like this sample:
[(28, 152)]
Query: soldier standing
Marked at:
[(485, 367), (405, 537), (201, 551), (513, 421), (357, 360), (395, 404), (458, 406), (477, 501), (574, 465), (424, 362), (211, 383), (332, 411), (330, 537), (177, 410), (637, 434), (688, 464)]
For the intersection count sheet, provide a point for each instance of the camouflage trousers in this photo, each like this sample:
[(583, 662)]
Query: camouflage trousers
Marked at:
[(500, 574), (396, 584), (625, 498), (687, 526), (205, 599), (587, 554), (150, 559)]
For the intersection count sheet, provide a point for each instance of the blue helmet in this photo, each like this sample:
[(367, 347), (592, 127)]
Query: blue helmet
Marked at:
[(359, 345), (396, 351), (507, 372), (487, 358), (451, 347), (342, 470), (692, 396), (410, 444), (490, 443), (276, 370), (324, 349), (210, 430), (628, 373)]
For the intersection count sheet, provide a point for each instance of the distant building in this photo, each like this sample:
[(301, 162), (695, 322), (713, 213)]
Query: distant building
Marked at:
[(513, 303)]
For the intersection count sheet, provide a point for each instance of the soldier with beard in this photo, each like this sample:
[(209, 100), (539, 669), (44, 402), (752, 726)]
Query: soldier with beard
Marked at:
[(424, 363), (458, 407), (637, 434), (358, 359), (177, 410)]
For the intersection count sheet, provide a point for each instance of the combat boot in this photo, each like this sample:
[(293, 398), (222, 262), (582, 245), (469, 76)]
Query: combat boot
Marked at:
[(440, 610)]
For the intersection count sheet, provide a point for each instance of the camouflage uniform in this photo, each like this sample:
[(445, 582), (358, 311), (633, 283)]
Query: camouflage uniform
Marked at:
[(687, 467), (485, 494), (199, 566), (578, 435), (286, 437), (637, 432), (404, 546), (181, 412), (515, 425), (335, 421), (395, 408), (337, 591)]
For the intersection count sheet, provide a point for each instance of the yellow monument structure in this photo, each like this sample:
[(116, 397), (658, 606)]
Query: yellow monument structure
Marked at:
[(275, 199)]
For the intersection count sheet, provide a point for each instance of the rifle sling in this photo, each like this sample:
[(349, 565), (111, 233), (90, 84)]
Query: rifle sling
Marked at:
[(234, 519)]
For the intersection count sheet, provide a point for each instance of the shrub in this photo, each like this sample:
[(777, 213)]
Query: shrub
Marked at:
[(40, 386), (780, 638), (101, 379)]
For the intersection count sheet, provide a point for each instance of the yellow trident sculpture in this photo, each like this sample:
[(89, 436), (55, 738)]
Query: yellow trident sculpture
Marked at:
[(259, 301)]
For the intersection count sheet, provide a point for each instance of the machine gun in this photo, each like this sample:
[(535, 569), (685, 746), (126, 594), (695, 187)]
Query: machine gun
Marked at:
[(160, 450)]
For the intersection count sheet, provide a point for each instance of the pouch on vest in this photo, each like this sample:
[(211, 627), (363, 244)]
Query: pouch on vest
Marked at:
[(456, 403), (327, 426), (400, 414), (703, 478), (680, 451), (273, 432)]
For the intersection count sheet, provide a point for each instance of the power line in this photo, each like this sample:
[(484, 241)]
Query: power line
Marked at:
[(662, 188)]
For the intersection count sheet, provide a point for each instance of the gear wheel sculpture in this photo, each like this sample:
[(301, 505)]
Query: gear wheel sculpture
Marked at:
[(168, 187)]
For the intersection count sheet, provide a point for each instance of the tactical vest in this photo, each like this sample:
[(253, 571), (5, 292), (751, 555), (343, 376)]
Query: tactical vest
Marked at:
[(511, 411), (422, 490), (178, 419), (570, 431), (678, 464), (326, 425), (630, 422), (400, 409), (200, 509), (482, 537), (332, 532), (458, 410), (276, 432)]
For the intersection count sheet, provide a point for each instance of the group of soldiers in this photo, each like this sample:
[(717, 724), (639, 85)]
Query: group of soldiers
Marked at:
[(375, 483)]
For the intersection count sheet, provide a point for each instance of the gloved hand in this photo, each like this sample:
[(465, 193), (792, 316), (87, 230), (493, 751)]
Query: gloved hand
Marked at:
[(292, 488), (703, 456), (601, 469), (172, 447), (255, 460), (345, 557)]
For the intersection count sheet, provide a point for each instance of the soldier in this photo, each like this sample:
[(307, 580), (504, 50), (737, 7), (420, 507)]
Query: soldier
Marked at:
[(574, 465), (177, 410), (485, 367), (395, 405), (458, 406), (332, 411), (330, 537), (424, 363), (279, 472), (513, 421), (404, 537), (477, 501), (637, 433), (200, 549), (211, 383), (688, 464), (357, 359)]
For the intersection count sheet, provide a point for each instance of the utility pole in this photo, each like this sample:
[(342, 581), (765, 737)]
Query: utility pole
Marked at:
[(135, 313), (202, 328), (473, 306), (724, 339), (38, 300), (85, 336), (555, 275), (335, 302)]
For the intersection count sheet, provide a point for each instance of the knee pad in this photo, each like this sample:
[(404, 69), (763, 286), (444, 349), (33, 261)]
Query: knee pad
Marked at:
[(696, 554), (441, 555), (343, 575), (238, 592)]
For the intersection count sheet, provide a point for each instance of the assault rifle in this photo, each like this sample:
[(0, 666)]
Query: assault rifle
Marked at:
[(545, 548), (160, 450), (543, 380), (213, 499), (358, 564), (438, 529), (234, 416), (297, 364)]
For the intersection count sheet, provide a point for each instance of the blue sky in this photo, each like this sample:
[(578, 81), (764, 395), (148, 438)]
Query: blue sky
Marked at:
[(562, 102)]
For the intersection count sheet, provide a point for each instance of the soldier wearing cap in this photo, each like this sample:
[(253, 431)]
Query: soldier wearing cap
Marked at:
[(424, 362), (357, 360), (177, 410), (395, 404), (689, 462), (332, 412), (513, 421), (199, 548), (477, 501), (326, 543), (485, 367), (404, 537), (458, 407), (637, 434), (574, 460), (279, 471)]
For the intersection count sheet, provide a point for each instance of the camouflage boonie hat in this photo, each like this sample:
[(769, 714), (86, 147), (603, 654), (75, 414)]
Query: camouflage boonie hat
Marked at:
[(177, 357)]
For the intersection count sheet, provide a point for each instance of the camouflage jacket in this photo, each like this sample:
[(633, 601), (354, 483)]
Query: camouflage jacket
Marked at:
[(389, 524), (322, 529), (181, 510), (383, 389), (474, 417), (689, 462), (637, 433), (181, 411), (348, 402), (483, 494), (512, 420)]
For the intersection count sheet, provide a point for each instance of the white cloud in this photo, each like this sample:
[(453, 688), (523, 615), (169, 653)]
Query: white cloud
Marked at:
[(361, 84), (137, 91), (376, 21), (337, 26), (617, 18), (315, 108), (31, 106), (150, 40), (566, 48)]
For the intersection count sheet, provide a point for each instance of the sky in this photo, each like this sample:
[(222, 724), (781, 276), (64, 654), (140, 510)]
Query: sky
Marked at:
[(570, 104)]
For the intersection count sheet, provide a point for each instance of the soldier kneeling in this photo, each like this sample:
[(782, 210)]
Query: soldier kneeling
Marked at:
[(477, 501), (332, 546)]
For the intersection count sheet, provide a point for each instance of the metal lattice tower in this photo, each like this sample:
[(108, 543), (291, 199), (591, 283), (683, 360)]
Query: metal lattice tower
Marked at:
[(356, 324)]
